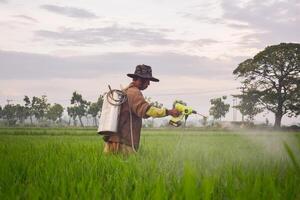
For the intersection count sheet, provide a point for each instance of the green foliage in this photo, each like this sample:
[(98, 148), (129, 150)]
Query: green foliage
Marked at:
[(40, 106), (55, 112), (37, 107), (249, 104), (29, 106), (21, 113), (293, 154), (275, 73), (9, 114), (69, 164), (72, 113), (39, 111), (79, 107), (218, 108), (95, 108), (13, 113)]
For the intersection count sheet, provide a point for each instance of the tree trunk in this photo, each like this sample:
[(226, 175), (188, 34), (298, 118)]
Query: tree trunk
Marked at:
[(279, 113), (95, 121), (74, 121), (278, 117), (87, 121), (80, 121)]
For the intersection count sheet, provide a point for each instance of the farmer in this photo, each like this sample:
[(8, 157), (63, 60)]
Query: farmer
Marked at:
[(132, 111)]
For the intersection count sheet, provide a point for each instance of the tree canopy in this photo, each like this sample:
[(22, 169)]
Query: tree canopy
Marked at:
[(78, 107), (95, 108), (275, 75), (55, 112), (218, 108), (249, 103)]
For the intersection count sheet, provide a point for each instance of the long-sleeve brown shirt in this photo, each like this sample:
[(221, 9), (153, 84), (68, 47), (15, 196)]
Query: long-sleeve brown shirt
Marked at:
[(138, 106)]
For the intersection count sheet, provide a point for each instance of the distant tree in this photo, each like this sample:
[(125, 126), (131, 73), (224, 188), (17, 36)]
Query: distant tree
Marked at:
[(79, 105), (55, 112), (0, 112), (204, 121), (95, 109), (40, 107), (36, 107), (13, 113), (21, 113), (249, 104), (275, 73), (29, 107), (218, 108), (9, 114), (153, 103), (72, 114), (267, 122)]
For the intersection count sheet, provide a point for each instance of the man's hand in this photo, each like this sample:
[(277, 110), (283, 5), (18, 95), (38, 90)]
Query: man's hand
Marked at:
[(173, 112)]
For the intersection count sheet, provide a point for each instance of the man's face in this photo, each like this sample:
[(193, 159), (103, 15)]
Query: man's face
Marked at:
[(143, 83)]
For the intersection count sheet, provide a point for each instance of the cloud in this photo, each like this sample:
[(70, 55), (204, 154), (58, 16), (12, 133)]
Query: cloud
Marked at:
[(261, 22), (205, 12), (25, 17), (136, 36), (271, 21), (69, 11), (16, 65), (204, 42), (3, 1), (117, 34)]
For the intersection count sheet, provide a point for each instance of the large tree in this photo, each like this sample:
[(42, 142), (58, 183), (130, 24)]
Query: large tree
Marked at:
[(219, 108), (275, 73)]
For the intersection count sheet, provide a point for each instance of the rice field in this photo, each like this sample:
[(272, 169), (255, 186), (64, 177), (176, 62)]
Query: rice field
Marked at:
[(40, 163)]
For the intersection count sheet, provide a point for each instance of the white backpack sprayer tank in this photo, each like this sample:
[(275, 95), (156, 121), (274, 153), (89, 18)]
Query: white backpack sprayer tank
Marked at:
[(109, 118)]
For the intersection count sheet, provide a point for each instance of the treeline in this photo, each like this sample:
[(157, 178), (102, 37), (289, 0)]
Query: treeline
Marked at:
[(37, 110)]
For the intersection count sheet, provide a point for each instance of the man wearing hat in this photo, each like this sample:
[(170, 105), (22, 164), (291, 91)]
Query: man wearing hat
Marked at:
[(132, 111)]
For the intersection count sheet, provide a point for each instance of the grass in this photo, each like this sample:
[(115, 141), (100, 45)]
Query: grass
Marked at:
[(69, 164)]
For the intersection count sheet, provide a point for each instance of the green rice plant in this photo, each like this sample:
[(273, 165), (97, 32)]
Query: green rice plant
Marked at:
[(69, 164), (292, 155)]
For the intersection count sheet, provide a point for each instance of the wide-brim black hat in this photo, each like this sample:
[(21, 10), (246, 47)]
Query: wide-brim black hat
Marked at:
[(143, 71)]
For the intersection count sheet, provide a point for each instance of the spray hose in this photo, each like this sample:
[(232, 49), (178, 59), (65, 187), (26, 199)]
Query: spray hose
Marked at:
[(122, 97)]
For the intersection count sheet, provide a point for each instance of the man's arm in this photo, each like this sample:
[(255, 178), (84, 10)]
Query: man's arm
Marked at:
[(143, 109), (161, 112)]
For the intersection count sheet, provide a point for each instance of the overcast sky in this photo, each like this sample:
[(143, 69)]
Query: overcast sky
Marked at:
[(56, 47)]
